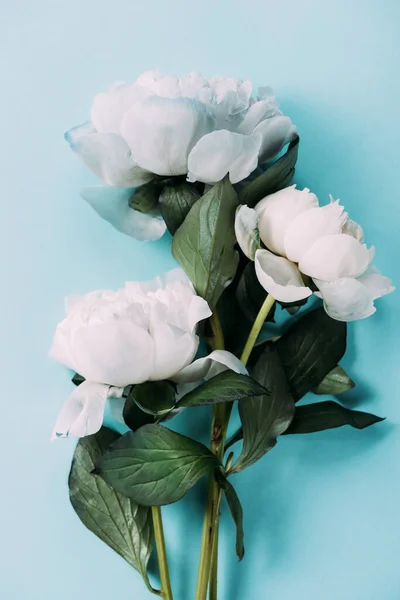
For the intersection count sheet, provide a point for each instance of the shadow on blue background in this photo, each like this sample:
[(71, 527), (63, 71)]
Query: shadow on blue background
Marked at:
[(321, 511)]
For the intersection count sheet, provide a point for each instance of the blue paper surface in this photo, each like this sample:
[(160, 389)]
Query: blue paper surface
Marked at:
[(321, 511)]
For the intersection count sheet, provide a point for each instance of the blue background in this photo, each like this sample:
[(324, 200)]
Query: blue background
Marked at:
[(321, 511)]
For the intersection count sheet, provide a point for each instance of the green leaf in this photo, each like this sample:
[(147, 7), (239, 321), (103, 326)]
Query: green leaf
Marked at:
[(204, 243), (155, 466), (155, 397), (236, 511), (134, 416), (224, 387), (336, 382), (310, 349), (176, 202), (328, 415), (121, 523), (264, 418), (145, 197), (276, 177), (251, 295)]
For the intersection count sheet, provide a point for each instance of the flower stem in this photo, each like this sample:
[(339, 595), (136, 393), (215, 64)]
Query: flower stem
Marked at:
[(255, 330), (220, 415), (208, 566), (166, 591)]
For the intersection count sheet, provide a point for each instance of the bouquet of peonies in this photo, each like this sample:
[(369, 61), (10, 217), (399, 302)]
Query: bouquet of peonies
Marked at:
[(211, 162)]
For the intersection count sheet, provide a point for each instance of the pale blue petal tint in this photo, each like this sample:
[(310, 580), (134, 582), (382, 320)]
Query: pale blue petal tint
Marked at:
[(112, 204)]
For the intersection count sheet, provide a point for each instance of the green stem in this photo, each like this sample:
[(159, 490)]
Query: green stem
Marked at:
[(208, 566), (220, 416), (214, 554), (166, 591), (255, 330)]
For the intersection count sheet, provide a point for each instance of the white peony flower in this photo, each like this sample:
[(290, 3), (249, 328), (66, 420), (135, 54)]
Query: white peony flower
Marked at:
[(144, 332), (305, 242), (167, 126)]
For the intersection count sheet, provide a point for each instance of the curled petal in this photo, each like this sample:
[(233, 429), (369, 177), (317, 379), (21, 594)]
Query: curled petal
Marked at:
[(335, 256), (211, 365), (112, 204), (377, 284), (354, 229), (83, 411), (310, 225), (108, 157), (280, 277), (277, 210), (161, 132), (346, 299), (246, 230), (222, 152), (198, 311), (275, 133)]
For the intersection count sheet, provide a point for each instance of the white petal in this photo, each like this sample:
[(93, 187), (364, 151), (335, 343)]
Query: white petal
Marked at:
[(346, 299), (275, 133), (278, 210), (254, 115), (61, 349), (83, 411), (310, 225), (246, 230), (223, 152), (161, 132), (173, 350), (73, 135), (112, 204), (110, 107), (149, 79), (108, 156), (280, 277), (211, 365), (116, 352), (198, 311), (377, 284), (335, 256), (352, 228)]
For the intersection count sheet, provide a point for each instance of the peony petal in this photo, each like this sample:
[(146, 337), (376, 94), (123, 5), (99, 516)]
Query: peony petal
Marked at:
[(346, 299), (278, 210), (198, 311), (108, 156), (161, 132), (335, 256), (275, 133), (112, 204), (208, 367), (110, 107), (256, 113), (352, 228), (280, 277), (61, 350), (82, 413), (116, 352), (223, 152), (310, 225), (246, 230), (377, 284), (173, 350)]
